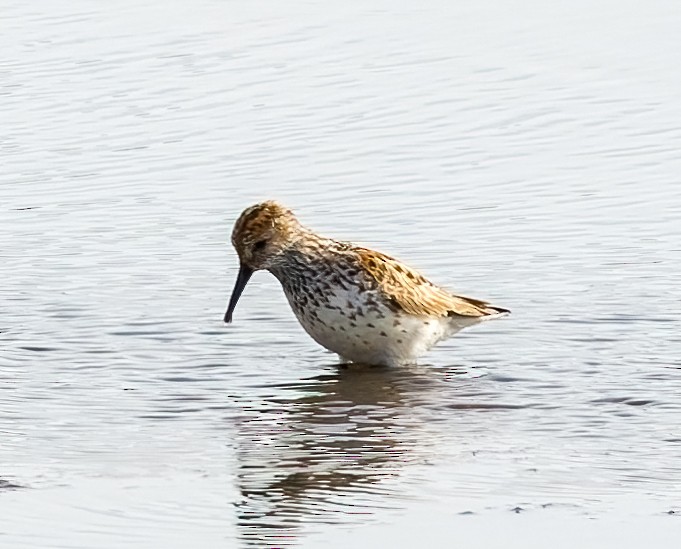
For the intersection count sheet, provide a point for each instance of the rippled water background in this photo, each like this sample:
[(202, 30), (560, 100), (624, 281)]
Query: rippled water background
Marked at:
[(527, 154)]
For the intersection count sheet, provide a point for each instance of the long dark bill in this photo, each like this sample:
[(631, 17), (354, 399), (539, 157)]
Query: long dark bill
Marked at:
[(241, 280)]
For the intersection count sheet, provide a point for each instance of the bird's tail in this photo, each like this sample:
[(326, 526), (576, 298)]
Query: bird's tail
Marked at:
[(485, 309)]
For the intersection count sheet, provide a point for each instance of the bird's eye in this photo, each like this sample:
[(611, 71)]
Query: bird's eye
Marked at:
[(259, 245)]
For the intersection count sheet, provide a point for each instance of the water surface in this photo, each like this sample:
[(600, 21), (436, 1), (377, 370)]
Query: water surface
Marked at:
[(524, 154)]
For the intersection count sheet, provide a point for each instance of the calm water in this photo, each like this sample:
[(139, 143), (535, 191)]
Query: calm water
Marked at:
[(525, 154)]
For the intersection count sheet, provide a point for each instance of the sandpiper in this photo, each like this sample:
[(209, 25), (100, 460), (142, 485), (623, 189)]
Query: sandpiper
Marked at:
[(361, 304)]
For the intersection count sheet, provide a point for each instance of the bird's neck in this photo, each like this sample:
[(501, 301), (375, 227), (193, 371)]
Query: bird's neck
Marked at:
[(306, 259)]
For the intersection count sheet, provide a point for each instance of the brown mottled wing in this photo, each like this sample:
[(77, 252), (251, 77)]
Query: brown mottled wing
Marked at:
[(414, 294)]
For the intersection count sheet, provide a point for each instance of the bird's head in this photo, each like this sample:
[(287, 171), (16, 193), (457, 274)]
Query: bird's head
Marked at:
[(260, 236)]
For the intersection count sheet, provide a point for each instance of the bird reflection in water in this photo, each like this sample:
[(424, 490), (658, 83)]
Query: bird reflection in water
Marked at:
[(327, 452)]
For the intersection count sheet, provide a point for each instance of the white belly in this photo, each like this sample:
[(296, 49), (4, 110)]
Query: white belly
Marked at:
[(374, 335)]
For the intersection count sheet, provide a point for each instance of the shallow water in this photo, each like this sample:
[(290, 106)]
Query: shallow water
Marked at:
[(525, 154)]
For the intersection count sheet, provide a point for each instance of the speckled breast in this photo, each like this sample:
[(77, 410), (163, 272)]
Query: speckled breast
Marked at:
[(356, 324)]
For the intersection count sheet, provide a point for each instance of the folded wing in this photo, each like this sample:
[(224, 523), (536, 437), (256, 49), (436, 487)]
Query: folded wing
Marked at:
[(412, 293)]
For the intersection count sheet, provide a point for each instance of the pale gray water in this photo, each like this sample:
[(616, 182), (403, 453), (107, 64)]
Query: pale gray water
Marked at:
[(524, 153)]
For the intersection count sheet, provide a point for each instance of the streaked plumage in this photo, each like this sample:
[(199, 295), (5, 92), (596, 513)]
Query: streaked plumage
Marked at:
[(359, 303)]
